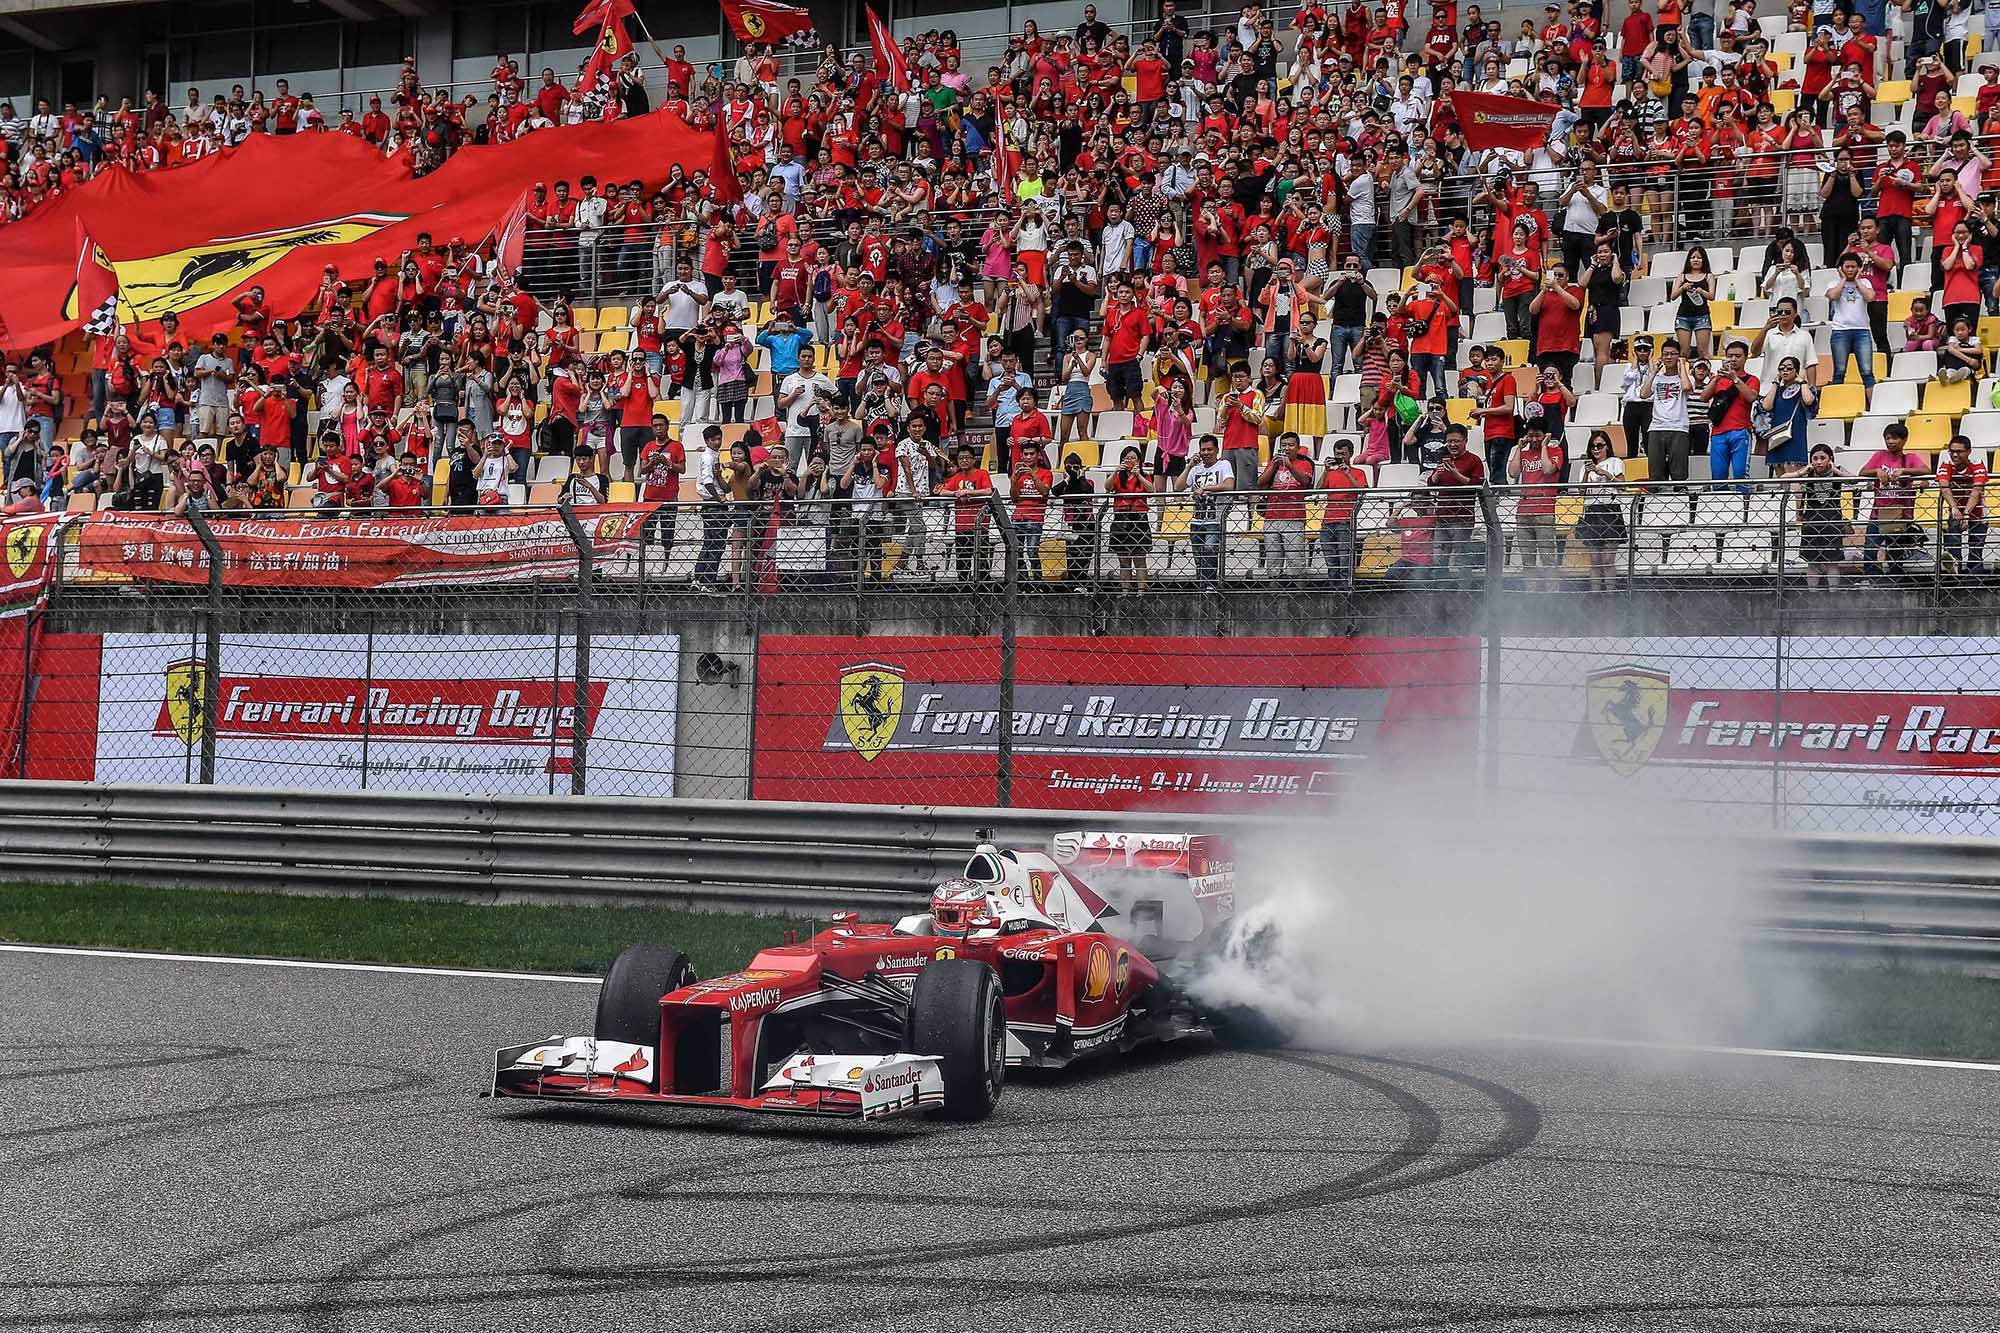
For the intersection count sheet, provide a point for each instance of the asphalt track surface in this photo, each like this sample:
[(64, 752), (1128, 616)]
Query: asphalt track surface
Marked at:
[(191, 1146)]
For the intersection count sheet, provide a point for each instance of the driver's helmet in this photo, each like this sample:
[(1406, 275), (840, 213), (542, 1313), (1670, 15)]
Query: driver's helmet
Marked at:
[(955, 904)]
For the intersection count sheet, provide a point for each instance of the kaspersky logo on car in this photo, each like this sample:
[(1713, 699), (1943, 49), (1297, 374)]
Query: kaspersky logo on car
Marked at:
[(273, 707)]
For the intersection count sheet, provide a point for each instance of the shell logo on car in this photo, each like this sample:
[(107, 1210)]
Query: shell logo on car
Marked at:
[(1096, 972)]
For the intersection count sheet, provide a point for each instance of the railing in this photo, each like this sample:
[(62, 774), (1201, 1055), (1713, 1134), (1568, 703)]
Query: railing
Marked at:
[(1933, 900), (1534, 539)]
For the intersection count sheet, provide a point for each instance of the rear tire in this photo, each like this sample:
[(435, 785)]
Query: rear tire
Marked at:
[(628, 1003), (956, 1014)]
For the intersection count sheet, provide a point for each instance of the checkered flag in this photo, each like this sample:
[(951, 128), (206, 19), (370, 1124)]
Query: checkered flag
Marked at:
[(103, 321), (802, 41)]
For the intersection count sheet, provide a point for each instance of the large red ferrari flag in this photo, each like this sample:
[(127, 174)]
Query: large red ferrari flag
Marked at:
[(1492, 121), (769, 21), (190, 239)]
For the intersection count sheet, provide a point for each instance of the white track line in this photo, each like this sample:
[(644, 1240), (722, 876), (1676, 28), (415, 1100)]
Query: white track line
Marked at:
[(301, 963), (1835, 1057)]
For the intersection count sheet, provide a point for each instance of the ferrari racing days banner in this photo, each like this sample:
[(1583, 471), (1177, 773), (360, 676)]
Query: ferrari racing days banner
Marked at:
[(386, 552), (1882, 734), (1104, 723), (465, 713), (275, 210)]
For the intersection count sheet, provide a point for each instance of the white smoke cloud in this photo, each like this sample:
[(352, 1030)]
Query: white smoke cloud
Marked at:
[(1424, 912)]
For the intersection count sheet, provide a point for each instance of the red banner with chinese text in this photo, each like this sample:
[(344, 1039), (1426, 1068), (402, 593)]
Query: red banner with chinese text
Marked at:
[(369, 552)]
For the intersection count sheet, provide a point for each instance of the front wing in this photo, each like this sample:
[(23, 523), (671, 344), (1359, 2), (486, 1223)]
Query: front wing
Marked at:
[(866, 1087)]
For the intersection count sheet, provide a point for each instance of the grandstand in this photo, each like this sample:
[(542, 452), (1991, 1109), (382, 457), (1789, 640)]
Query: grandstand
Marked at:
[(1699, 183)]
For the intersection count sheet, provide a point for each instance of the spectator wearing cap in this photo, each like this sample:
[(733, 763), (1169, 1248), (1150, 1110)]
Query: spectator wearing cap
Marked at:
[(712, 490)]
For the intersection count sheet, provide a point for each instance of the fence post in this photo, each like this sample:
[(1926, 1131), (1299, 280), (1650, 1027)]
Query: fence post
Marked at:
[(1010, 605), (586, 583), (1496, 568), (1778, 667), (211, 653)]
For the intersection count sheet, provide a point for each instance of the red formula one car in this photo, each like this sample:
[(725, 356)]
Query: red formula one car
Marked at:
[(1018, 962)]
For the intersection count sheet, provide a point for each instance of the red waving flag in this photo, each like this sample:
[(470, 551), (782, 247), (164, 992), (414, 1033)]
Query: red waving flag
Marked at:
[(1492, 121), (190, 239), (767, 21), (613, 42), (888, 55)]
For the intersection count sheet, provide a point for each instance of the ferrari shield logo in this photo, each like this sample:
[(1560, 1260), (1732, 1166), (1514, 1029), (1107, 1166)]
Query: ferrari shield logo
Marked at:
[(24, 548), (187, 684), (183, 279), (871, 706), (1625, 708), (753, 23)]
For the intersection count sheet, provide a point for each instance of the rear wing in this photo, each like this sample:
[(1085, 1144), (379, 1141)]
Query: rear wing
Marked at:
[(1195, 855)]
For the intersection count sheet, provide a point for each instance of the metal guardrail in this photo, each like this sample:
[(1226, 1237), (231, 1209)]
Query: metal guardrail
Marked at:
[(1931, 900)]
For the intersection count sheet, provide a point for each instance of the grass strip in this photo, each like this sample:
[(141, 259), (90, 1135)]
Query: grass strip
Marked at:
[(523, 938), (1883, 1010)]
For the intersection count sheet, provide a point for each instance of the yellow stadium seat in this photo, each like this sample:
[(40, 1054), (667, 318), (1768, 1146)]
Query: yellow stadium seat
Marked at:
[(1929, 431), (1315, 518), (1926, 516), (296, 474), (1515, 350), (585, 317), (1951, 399), (1635, 468), (1053, 552), (1174, 521), (1782, 59), (1989, 333), (1783, 100), (1841, 402), (1458, 411), (1569, 508), (1090, 451), (1895, 92), (622, 493), (545, 493), (1965, 106), (615, 340), (1378, 551), (670, 408), (1721, 314), (1900, 303)]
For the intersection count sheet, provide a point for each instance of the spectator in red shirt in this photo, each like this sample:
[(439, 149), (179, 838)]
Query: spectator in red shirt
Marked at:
[(1343, 482), (970, 486), (1456, 480), (1962, 479), (1729, 396)]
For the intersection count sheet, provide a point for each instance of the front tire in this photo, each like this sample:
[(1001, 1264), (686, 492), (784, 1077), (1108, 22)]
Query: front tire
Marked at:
[(628, 1003), (956, 1014)]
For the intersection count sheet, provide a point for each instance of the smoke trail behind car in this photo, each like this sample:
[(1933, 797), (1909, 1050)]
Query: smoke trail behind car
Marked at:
[(1420, 912)]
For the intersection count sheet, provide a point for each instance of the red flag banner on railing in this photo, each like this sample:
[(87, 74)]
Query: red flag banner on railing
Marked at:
[(390, 551), (769, 21), (29, 545), (1492, 121)]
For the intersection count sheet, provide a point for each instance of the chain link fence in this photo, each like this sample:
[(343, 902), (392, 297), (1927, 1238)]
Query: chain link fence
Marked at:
[(1803, 654)]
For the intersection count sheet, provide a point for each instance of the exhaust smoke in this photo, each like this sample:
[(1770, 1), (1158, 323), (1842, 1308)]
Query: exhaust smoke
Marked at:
[(1419, 912)]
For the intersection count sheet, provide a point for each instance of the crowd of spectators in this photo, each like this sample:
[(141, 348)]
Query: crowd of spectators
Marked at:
[(1260, 252)]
